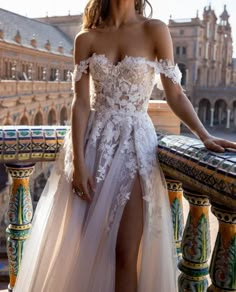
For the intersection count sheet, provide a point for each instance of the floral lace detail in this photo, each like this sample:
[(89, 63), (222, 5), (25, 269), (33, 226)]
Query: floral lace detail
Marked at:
[(124, 86), (120, 124), (79, 69), (169, 70)]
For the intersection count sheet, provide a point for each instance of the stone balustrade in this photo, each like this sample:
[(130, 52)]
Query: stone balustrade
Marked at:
[(208, 179), (205, 178), (13, 88)]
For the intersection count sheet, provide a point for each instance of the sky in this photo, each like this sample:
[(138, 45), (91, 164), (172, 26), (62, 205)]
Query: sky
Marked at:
[(161, 9)]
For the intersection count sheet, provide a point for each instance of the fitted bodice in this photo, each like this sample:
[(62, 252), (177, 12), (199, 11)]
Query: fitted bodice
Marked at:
[(125, 86)]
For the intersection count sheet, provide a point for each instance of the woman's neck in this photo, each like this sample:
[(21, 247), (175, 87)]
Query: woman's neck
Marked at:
[(121, 12)]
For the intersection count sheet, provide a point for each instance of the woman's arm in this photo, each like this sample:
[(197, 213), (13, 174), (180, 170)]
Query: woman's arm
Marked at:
[(175, 96), (79, 117)]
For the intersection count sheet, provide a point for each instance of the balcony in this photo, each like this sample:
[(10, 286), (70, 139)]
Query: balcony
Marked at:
[(13, 88), (204, 178)]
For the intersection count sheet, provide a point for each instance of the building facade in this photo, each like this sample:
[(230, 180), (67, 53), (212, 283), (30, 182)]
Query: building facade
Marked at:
[(203, 49), (70, 24), (35, 72)]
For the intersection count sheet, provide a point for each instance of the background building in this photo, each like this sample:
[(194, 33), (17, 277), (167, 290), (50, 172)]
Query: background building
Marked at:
[(35, 65), (203, 48), (35, 89)]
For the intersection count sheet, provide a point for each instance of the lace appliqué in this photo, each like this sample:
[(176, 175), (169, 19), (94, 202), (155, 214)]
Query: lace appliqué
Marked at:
[(120, 95), (169, 70), (81, 68)]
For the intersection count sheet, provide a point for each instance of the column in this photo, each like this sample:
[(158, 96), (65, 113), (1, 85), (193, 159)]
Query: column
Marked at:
[(223, 262), (195, 245), (175, 192), (20, 214), (212, 117), (228, 119)]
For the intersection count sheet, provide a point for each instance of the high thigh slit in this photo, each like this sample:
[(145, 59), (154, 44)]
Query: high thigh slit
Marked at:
[(72, 246), (128, 240)]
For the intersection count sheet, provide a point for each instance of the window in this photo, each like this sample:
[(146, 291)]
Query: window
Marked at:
[(6, 65), (53, 74), (181, 32), (200, 52), (177, 50), (184, 50)]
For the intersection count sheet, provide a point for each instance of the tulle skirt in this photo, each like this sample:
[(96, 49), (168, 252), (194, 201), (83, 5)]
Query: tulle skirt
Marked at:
[(72, 246)]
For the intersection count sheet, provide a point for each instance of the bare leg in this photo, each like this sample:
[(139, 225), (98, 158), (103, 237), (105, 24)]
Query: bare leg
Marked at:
[(128, 241)]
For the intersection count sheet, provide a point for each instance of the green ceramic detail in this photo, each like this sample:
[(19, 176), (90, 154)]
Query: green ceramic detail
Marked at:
[(49, 132), (177, 218), (223, 265), (186, 285), (37, 132), (11, 133), (62, 133), (24, 133), (196, 240), (20, 207)]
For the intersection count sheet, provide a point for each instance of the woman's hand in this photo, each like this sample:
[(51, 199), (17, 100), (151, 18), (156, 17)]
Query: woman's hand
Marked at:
[(82, 183), (217, 144)]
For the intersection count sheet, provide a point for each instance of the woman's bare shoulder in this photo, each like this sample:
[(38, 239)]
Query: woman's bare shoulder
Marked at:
[(83, 44), (155, 26)]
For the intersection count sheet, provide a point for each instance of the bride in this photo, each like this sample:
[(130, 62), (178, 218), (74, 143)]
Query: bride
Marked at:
[(103, 222)]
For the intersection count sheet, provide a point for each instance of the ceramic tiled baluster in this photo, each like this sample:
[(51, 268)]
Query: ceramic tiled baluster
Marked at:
[(20, 214), (195, 245), (175, 192), (223, 262)]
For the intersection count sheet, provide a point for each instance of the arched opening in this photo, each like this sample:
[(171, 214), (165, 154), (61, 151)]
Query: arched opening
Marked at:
[(7, 123), (183, 69), (24, 121), (204, 111), (52, 117), (38, 120), (220, 116), (63, 116)]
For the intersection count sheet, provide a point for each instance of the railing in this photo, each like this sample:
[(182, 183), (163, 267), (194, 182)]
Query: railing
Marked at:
[(207, 178), (215, 92), (13, 88)]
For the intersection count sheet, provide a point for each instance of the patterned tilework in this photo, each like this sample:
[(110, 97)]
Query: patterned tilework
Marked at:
[(210, 173), (181, 158), (30, 144)]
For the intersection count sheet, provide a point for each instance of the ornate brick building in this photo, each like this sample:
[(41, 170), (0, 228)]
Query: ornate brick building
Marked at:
[(35, 65), (204, 51)]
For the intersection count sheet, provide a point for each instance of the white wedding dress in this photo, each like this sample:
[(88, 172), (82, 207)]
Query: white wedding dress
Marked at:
[(72, 243)]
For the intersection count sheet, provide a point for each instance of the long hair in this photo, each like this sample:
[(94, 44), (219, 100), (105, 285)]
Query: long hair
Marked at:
[(96, 11)]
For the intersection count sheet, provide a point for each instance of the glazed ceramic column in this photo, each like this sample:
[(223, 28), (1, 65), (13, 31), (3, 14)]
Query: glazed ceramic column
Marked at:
[(19, 215), (195, 245), (223, 262), (175, 192)]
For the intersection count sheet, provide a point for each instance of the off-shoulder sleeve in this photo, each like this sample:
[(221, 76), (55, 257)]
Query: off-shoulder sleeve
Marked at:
[(79, 70), (170, 71)]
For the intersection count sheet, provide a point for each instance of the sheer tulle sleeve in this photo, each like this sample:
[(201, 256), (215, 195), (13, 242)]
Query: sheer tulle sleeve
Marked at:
[(79, 70), (170, 71)]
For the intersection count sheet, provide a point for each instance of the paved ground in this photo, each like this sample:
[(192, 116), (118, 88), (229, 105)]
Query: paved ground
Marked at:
[(229, 134)]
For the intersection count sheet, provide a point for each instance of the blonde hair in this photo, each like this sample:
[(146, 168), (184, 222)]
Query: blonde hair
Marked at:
[(96, 11)]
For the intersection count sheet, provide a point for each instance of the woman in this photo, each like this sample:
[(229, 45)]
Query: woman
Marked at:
[(106, 226)]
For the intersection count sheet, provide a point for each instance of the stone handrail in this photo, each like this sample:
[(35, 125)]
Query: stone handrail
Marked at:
[(11, 88), (207, 179)]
